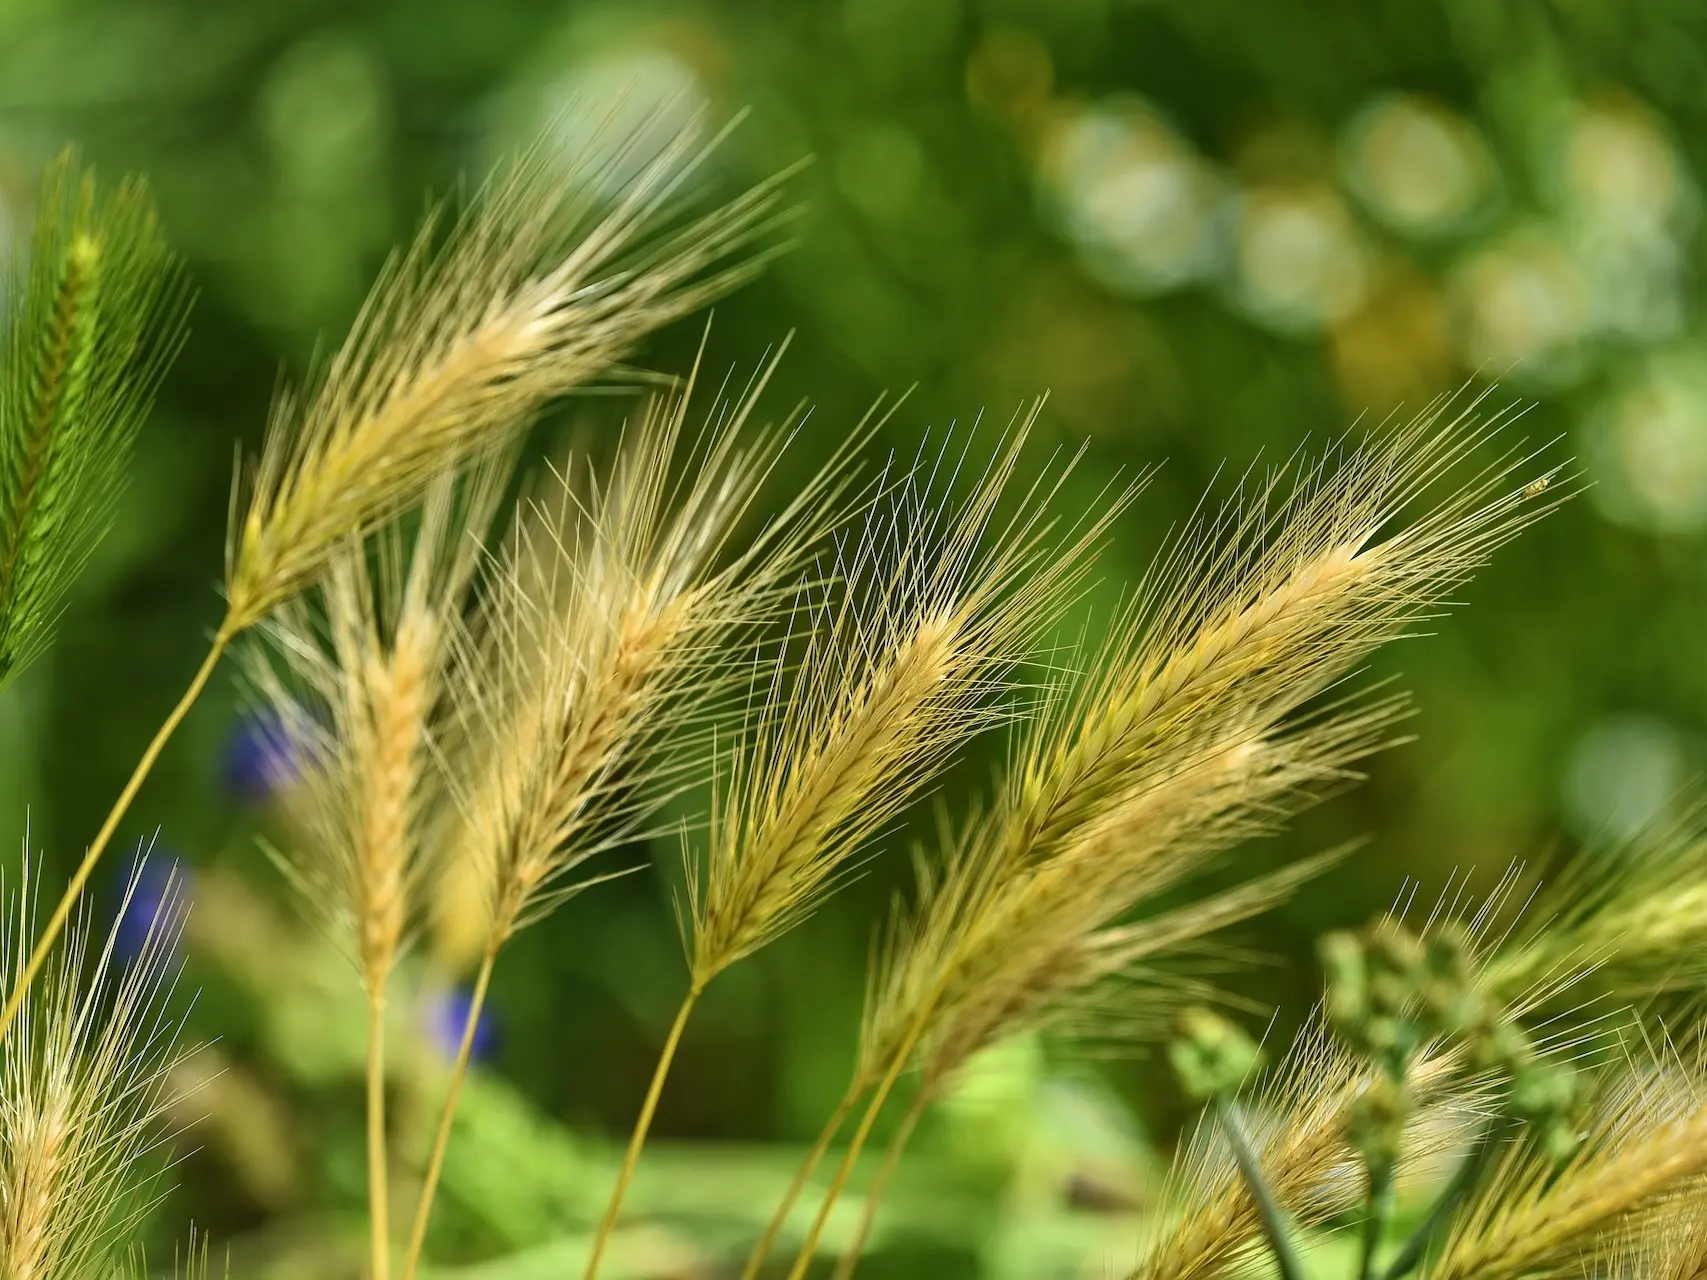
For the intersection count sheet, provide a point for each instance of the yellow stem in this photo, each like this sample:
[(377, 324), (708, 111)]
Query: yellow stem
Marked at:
[(843, 1170), (637, 1139), (880, 1186), (436, 1162), (378, 1191), (767, 1242), (74, 890)]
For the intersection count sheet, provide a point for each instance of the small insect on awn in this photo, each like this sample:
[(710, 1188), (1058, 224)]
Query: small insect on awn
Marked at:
[(1536, 487)]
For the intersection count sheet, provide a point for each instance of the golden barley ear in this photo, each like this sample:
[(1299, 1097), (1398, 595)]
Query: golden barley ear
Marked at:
[(615, 602), (538, 287), (1630, 920), (598, 660), (357, 675), (1636, 1176), (930, 619), (1188, 734), (91, 320), (83, 1084)]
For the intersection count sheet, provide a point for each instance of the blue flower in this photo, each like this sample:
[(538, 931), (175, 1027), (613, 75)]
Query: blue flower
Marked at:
[(263, 755), (150, 892), (446, 1018)]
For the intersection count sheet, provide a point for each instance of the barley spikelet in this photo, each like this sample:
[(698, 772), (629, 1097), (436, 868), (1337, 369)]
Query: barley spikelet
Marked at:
[(1631, 920), (83, 1084), (606, 609), (1179, 745), (90, 324), (1256, 609), (993, 950), (365, 667), (1647, 1145), (935, 612), (537, 291)]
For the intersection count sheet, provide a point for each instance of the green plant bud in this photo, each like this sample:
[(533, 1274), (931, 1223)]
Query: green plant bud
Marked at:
[(1447, 955), (1210, 1055), (1543, 1090), (1558, 1139), (1389, 993), (1394, 948), (1377, 1121), (1384, 1035)]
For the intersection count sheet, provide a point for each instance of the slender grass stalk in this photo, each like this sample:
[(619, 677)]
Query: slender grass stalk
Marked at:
[(1377, 1214), (879, 1095), (80, 878), (1274, 1226), (879, 1188), (642, 1126), (762, 1250), (447, 1115), (1463, 1180), (378, 1182)]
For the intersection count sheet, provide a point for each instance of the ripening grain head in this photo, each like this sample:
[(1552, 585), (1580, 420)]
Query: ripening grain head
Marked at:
[(1637, 1169), (83, 1084), (537, 289), (994, 949), (1631, 920), (361, 694), (86, 329), (615, 601), (1259, 607), (914, 648), (1186, 736)]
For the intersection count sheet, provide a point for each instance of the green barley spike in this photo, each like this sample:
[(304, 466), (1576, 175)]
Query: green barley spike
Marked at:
[(93, 316)]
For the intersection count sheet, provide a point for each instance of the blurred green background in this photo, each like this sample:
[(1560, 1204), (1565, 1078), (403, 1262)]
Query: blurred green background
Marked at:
[(1210, 230)]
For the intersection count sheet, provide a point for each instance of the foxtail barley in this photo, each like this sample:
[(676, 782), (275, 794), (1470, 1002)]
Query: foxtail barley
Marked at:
[(1178, 743), (1645, 1152), (608, 608), (935, 612), (81, 1089), (1634, 916), (537, 289), (91, 323), (364, 707)]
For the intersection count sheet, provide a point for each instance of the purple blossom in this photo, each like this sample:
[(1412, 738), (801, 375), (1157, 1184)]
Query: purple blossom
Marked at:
[(445, 1018), (264, 754), (150, 894)]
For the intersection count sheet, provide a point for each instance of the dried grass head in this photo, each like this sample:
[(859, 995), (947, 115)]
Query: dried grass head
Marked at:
[(541, 285), (918, 640), (1193, 731), (615, 602), (357, 674), (1636, 1177), (83, 1086)]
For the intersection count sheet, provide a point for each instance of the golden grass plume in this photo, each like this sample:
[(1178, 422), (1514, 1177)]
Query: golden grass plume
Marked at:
[(538, 287), (615, 600), (934, 612), (82, 1088)]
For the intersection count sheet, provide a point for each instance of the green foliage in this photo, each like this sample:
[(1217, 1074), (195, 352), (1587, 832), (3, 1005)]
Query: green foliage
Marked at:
[(93, 317)]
